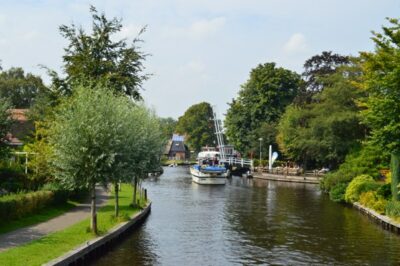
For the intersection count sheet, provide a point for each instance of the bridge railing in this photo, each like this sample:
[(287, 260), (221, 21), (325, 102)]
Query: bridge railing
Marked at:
[(236, 161)]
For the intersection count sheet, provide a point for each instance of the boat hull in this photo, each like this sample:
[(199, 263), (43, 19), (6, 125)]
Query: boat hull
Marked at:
[(207, 178)]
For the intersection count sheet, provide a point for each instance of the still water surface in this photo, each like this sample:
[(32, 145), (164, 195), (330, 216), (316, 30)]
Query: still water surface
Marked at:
[(249, 222)]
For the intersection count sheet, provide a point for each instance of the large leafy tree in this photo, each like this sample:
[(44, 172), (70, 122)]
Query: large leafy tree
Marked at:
[(197, 125), (316, 70), (324, 131), (95, 58), (20, 88), (261, 101), (382, 82)]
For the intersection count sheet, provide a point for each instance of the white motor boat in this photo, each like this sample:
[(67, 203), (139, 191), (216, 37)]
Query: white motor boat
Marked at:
[(208, 171)]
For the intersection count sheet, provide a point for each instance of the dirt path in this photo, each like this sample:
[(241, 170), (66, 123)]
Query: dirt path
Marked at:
[(27, 234)]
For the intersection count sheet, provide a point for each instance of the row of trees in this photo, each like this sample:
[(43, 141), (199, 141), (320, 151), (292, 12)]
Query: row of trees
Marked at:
[(90, 125), (341, 113)]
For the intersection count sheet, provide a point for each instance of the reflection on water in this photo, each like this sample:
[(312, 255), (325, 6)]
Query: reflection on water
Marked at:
[(250, 222)]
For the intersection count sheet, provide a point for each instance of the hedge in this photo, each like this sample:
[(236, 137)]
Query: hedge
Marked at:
[(16, 206)]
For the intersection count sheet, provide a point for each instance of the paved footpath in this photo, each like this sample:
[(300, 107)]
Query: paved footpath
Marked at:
[(27, 234)]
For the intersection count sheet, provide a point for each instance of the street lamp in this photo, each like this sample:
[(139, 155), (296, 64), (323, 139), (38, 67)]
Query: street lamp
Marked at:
[(260, 139)]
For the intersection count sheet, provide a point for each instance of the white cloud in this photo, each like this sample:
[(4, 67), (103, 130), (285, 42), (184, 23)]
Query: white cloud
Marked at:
[(197, 30), (202, 28), (296, 44)]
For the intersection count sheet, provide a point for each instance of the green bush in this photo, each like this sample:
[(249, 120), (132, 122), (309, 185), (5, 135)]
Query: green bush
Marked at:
[(368, 159), (337, 192), (358, 185), (13, 178), (385, 191), (16, 206), (60, 194), (372, 200), (393, 209)]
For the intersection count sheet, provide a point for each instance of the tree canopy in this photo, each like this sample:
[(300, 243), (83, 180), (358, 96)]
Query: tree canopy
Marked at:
[(261, 101), (98, 137), (382, 82), (20, 88), (197, 125), (324, 131), (92, 59), (167, 126)]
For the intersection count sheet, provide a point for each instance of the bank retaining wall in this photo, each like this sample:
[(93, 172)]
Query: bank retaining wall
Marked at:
[(383, 220), (95, 248)]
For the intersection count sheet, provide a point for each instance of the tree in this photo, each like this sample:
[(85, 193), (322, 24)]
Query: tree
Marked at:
[(84, 136), (261, 100), (99, 137), (92, 59), (5, 124), (382, 82), (167, 126), (20, 88), (324, 131), (197, 125), (316, 70)]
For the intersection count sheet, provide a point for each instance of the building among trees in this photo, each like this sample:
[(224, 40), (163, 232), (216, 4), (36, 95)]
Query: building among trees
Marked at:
[(176, 148)]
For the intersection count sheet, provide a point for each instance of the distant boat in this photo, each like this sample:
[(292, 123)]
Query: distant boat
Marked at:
[(208, 171)]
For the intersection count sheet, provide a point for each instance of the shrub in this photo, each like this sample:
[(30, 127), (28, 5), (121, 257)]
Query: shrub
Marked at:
[(16, 206), (393, 208), (358, 185), (337, 192), (12, 178), (372, 200), (385, 191), (60, 194), (367, 159)]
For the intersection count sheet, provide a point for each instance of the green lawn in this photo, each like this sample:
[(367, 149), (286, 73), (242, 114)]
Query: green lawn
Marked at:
[(58, 243), (42, 216)]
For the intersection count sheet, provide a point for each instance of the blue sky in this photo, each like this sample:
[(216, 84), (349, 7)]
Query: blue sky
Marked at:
[(200, 50)]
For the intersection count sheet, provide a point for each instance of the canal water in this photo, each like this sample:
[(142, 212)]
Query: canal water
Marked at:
[(249, 222)]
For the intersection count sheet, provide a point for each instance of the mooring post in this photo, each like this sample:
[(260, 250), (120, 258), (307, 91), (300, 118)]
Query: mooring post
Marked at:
[(145, 195)]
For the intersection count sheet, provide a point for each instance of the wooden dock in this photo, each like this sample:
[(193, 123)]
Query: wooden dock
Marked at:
[(288, 178)]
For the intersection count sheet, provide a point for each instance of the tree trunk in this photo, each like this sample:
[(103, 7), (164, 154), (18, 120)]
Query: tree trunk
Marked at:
[(116, 199), (395, 170), (134, 190), (93, 221)]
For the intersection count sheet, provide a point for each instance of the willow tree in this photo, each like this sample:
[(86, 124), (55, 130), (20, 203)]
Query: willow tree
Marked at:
[(382, 82), (87, 135)]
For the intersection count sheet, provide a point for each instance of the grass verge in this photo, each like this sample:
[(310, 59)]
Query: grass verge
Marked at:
[(56, 244), (42, 216)]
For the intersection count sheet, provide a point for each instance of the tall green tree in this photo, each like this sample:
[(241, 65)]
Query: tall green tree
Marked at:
[(382, 82), (261, 101), (324, 131), (20, 88), (197, 125), (95, 58)]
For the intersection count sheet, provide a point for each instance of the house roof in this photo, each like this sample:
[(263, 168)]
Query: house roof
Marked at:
[(177, 146)]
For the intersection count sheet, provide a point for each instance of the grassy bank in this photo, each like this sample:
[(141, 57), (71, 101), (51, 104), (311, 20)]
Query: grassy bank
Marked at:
[(58, 243)]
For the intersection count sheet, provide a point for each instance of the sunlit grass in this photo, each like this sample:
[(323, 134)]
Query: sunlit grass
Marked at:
[(56, 244)]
